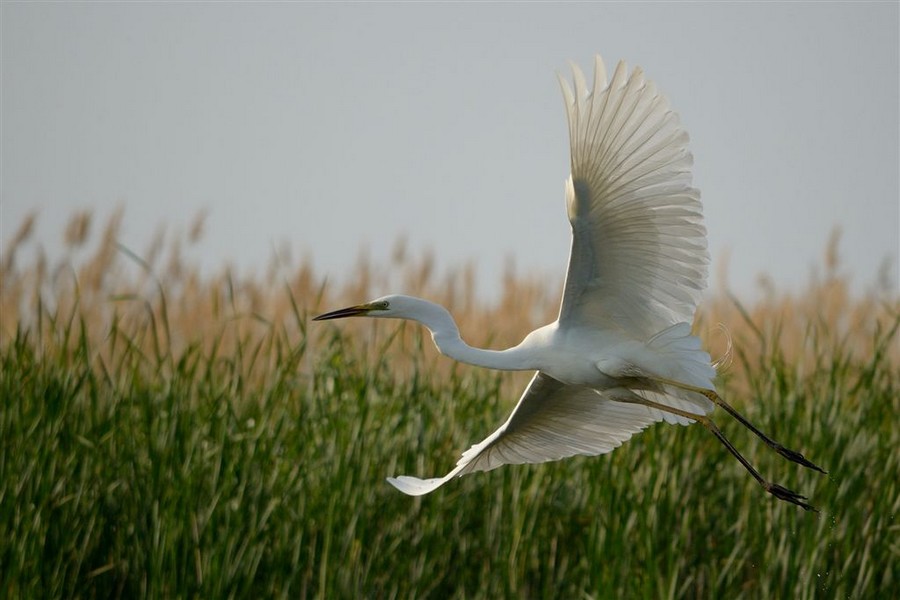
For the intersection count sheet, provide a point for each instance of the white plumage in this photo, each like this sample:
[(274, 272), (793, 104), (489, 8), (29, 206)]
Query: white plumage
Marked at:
[(621, 355)]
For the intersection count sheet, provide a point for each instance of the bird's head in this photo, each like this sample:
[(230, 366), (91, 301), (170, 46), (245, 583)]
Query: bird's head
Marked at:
[(396, 307)]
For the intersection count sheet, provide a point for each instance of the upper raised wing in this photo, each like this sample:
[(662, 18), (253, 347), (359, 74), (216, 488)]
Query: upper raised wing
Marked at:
[(639, 258), (551, 421)]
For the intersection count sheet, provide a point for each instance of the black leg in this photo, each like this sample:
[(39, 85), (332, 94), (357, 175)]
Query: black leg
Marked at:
[(791, 455), (780, 492)]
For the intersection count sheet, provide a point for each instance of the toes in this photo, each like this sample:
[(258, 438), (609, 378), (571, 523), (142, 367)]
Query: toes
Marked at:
[(798, 458), (782, 493)]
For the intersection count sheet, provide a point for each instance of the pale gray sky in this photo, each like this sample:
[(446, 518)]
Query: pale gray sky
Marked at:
[(331, 126)]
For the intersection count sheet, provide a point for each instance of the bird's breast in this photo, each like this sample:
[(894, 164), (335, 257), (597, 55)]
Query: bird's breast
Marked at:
[(573, 358)]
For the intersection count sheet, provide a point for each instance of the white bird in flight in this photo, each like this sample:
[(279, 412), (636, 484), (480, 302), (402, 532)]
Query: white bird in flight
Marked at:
[(620, 356)]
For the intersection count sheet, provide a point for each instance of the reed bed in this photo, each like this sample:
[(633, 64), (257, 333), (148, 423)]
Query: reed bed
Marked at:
[(172, 433)]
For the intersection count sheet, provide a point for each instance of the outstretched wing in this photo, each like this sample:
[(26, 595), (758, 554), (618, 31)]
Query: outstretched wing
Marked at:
[(639, 258), (551, 421)]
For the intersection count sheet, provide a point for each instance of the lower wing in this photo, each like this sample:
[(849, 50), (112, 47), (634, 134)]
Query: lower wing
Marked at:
[(551, 421)]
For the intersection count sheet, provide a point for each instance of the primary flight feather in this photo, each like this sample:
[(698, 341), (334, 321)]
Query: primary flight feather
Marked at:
[(621, 355)]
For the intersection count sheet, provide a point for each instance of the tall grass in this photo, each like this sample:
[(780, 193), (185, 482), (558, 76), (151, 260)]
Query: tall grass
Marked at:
[(166, 433)]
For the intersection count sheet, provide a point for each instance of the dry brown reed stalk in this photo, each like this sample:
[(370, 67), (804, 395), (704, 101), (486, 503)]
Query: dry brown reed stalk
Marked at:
[(18, 239), (163, 305), (795, 327), (77, 229)]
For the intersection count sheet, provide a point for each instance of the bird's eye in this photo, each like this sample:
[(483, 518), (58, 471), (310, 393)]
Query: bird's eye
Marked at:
[(383, 305)]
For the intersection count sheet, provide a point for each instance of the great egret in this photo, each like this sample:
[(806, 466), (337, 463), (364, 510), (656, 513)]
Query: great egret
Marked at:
[(620, 356)]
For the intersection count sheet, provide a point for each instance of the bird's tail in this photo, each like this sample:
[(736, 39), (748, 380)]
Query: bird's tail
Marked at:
[(679, 358)]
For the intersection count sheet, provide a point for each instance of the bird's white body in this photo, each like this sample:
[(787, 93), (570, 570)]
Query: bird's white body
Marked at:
[(597, 358), (621, 355)]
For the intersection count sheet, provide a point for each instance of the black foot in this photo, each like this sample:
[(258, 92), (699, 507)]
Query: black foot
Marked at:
[(796, 457), (782, 493)]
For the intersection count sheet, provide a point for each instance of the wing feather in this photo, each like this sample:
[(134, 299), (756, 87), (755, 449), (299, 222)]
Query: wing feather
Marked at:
[(639, 262), (639, 257), (551, 421)]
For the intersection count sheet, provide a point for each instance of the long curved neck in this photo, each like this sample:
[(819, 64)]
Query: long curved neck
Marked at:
[(446, 337)]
